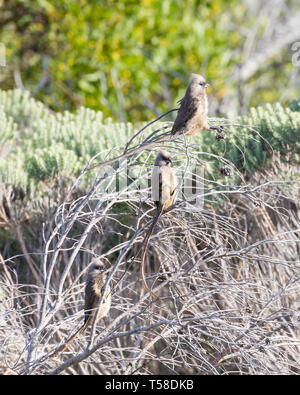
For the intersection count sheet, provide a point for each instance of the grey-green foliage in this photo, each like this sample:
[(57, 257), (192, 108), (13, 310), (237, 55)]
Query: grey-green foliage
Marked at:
[(37, 144), (253, 138), (273, 128), (41, 143), (11, 157), (294, 105)]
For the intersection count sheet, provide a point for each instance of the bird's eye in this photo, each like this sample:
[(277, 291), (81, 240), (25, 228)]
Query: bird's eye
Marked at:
[(201, 83)]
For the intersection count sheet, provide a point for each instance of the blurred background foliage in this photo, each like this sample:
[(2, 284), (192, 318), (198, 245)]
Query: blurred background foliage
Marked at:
[(132, 60)]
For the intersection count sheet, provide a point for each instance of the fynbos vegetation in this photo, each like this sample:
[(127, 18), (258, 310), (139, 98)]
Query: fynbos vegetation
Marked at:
[(224, 260)]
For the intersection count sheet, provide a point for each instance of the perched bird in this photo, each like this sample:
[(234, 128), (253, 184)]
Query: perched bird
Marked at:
[(163, 195), (93, 289), (192, 114), (162, 183)]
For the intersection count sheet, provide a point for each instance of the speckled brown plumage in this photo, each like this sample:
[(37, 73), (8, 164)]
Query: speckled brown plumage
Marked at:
[(192, 114), (94, 284), (162, 181), (163, 186), (93, 289)]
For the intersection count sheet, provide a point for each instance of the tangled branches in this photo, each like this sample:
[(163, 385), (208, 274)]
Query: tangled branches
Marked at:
[(224, 261)]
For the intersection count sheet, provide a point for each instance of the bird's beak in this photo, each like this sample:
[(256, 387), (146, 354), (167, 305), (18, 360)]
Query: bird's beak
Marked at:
[(206, 85), (169, 160)]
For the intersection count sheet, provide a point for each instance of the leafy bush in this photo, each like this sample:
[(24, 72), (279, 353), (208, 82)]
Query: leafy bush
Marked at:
[(117, 56)]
